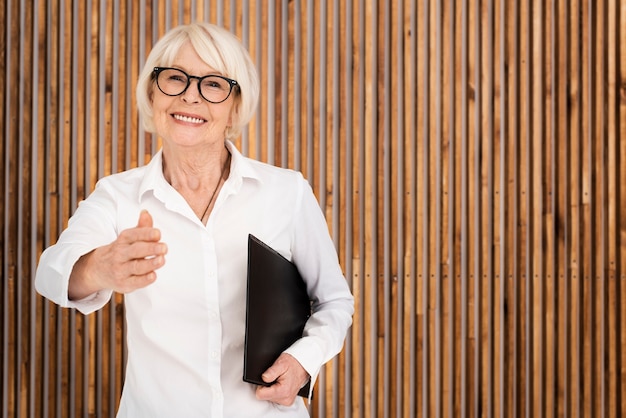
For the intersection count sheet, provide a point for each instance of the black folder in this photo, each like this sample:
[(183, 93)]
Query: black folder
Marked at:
[(277, 307)]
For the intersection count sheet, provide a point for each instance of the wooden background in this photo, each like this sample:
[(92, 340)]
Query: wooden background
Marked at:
[(470, 157)]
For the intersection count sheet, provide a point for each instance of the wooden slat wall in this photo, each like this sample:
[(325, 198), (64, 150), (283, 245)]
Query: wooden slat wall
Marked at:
[(470, 157)]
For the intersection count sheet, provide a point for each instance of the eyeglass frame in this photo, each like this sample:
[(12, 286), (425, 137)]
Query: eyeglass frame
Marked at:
[(231, 82)]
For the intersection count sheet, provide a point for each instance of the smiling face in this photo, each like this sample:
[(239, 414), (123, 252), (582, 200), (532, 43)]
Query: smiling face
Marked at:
[(188, 120)]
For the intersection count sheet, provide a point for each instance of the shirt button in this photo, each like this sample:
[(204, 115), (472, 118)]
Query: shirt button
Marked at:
[(214, 354)]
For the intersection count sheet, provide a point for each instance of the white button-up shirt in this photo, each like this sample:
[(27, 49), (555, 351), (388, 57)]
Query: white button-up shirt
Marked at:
[(185, 332)]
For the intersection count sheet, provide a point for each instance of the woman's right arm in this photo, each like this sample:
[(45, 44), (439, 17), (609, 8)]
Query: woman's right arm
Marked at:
[(91, 259)]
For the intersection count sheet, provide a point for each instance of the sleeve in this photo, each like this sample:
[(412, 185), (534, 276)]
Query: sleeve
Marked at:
[(332, 302), (91, 226)]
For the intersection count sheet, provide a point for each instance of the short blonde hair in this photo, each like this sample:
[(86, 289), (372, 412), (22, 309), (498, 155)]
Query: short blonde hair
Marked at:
[(218, 48)]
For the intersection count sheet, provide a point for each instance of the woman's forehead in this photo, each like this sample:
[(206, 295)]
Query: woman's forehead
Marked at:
[(187, 59), (194, 60)]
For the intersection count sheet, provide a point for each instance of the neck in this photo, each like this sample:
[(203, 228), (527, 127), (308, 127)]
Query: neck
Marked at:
[(195, 171), (217, 187)]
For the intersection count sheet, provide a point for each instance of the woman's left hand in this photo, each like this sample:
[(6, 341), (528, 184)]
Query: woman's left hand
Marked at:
[(288, 377)]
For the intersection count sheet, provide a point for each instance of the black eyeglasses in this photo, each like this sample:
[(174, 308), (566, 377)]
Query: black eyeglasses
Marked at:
[(212, 88)]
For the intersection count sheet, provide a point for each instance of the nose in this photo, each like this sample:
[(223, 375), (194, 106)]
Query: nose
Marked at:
[(192, 92)]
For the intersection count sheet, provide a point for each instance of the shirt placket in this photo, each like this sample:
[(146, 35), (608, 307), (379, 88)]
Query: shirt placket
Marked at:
[(213, 327)]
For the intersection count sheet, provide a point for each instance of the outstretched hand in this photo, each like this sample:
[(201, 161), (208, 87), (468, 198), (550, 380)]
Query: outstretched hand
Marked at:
[(288, 376), (125, 265)]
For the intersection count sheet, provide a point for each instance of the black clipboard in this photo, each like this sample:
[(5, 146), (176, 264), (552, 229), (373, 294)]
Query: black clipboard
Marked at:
[(277, 308)]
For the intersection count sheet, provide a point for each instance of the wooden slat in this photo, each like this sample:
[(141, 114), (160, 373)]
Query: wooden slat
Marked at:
[(469, 157)]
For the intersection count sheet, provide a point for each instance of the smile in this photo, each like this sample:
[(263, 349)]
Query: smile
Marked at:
[(188, 119)]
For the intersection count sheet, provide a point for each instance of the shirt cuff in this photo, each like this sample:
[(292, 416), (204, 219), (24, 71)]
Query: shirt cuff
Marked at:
[(92, 302), (310, 355)]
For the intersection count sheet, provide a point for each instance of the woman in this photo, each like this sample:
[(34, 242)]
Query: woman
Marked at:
[(172, 236)]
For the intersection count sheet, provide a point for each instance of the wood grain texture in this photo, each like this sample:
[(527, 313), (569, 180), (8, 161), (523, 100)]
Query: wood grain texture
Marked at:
[(469, 157)]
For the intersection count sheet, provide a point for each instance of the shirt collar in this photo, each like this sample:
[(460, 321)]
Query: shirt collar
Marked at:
[(240, 168)]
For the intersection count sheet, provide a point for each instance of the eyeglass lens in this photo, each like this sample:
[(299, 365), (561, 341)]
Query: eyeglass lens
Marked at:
[(174, 82)]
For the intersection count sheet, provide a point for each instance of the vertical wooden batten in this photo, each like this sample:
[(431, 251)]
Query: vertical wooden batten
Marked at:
[(469, 157)]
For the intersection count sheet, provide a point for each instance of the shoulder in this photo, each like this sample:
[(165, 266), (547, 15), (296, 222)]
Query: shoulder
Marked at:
[(124, 179), (282, 183), (265, 174), (268, 172), (135, 180)]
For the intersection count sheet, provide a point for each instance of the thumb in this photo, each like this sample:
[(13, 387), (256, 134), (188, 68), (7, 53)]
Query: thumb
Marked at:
[(272, 374), (145, 219)]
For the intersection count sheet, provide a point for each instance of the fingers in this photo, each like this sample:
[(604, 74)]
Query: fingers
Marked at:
[(141, 242), (144, 266), (130, 262), (144, 253), (273, 373), (287, 377), (127, 264), (131, 283), (278, 393), (140, 251), (144, 231)]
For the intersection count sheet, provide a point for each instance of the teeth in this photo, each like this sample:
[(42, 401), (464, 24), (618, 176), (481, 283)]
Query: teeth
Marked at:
[(188, 119)]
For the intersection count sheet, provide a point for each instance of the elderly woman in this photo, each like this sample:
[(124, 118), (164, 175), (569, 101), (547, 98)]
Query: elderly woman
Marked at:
[(172, 237)]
